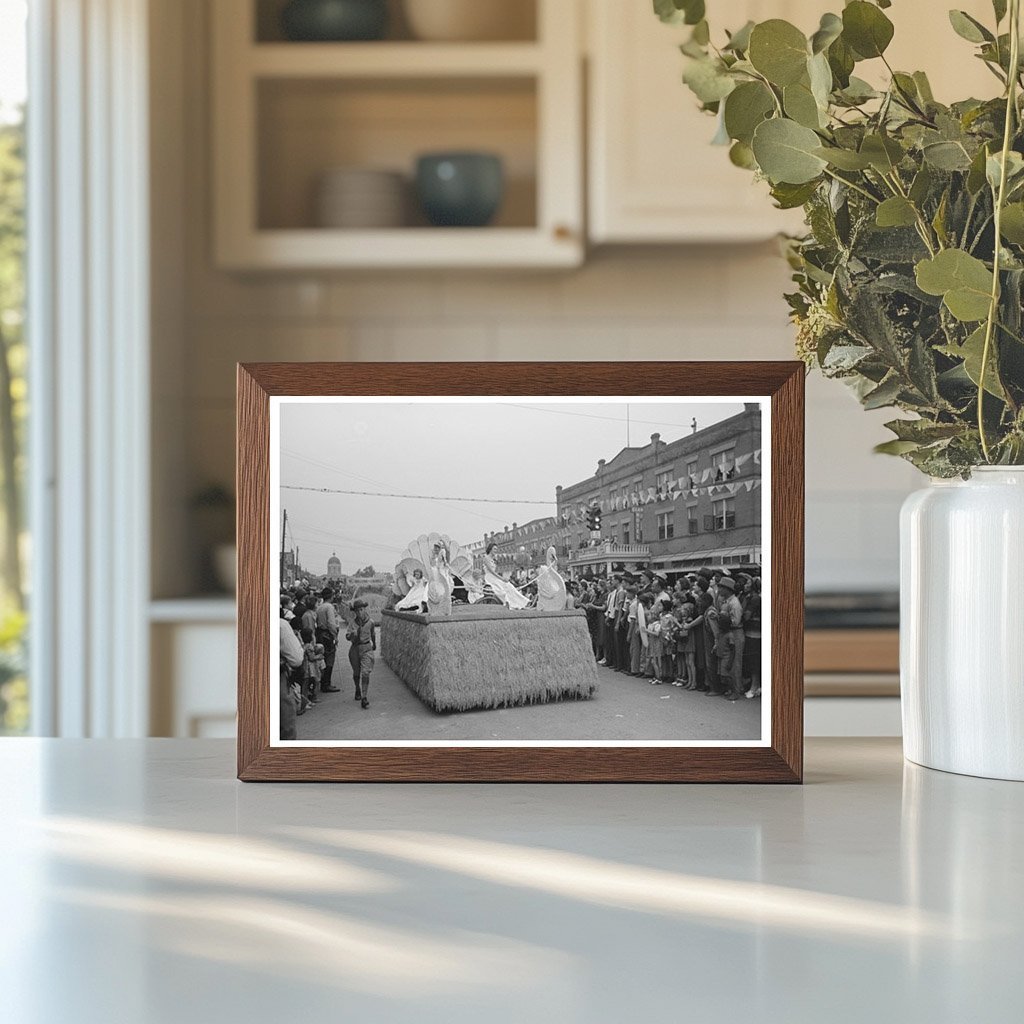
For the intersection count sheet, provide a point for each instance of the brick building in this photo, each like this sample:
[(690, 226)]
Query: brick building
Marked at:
[(673, 506), (526, 545)]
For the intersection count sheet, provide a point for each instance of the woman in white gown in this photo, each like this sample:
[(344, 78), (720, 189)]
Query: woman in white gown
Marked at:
[(417, 596), (550, 585), (503, 590)]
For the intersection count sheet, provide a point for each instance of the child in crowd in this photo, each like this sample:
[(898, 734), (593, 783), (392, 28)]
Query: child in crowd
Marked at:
[(313, 664), (686, 647), (655, 648), (668, 643)]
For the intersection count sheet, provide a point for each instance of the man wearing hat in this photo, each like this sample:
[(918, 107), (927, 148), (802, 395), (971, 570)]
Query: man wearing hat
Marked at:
[(730, 639), (327, 629), (662, 594), (363, 643), (705, 637), (616, 592)]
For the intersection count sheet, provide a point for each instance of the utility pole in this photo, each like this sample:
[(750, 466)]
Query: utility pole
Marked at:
[(627, 424), (284, 527)]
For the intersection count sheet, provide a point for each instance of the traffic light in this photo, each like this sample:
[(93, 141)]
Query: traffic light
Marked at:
[(594, 518)]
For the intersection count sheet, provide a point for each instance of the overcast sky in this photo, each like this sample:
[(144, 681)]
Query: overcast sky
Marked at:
[(513, 452)]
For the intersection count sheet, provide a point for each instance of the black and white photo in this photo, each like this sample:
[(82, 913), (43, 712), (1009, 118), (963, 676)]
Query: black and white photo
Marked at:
[(520, 571)]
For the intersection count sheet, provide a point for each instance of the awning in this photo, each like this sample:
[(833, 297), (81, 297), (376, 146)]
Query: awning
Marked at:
[(714, 556)]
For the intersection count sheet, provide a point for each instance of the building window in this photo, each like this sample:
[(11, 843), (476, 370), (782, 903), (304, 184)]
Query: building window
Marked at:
[(663, 480), (692, 526), (724, 513), (666, 527), (691, 472), (724, 464), (625, 532)]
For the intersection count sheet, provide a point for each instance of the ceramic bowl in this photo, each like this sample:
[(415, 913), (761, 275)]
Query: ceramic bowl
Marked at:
[(334, 20), (460, 189), (471, 20)]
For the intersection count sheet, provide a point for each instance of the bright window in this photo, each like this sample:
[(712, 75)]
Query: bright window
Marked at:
[(14, 691)]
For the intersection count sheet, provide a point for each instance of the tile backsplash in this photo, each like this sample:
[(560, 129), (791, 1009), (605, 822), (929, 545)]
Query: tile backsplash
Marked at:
[(719, 302)]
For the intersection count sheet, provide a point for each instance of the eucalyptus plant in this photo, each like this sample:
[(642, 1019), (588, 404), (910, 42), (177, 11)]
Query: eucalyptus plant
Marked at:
[(909, 280)]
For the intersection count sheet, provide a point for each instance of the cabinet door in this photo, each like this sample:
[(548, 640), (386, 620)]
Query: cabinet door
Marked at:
[(653, 174)]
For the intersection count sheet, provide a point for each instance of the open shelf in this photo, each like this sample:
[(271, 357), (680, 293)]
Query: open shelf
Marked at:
[(308, 127), (520, 15), (393, 60), (287, 113)]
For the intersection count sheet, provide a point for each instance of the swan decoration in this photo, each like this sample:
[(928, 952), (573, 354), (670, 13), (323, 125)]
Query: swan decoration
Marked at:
[(423, 576), (550, 585)]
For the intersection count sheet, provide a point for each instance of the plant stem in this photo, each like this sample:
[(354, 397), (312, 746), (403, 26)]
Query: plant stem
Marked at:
[(855, 187), (993, 309)]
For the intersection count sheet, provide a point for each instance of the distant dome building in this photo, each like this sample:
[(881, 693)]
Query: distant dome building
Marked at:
[(334, 568)]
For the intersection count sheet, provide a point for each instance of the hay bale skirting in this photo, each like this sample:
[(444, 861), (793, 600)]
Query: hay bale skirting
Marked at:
[(490, 657)]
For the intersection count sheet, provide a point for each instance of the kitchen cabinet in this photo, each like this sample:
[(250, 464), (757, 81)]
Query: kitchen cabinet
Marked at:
[(287, 113), (653, 175)]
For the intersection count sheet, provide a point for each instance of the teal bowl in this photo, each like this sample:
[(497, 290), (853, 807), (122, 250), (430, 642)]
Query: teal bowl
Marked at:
[(334, 21), (460, 190)]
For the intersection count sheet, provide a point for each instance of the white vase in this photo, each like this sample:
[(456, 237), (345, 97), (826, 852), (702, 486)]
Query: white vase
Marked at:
[(962, 624)]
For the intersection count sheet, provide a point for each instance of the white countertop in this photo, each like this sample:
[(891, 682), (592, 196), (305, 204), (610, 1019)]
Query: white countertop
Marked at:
[(143, 885)]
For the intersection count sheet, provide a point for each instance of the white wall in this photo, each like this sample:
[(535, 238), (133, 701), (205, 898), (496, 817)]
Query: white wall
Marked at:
[(656, 303)]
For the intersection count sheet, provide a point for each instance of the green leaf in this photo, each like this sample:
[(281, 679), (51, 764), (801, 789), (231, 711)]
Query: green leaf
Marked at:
[(1014, 169), (947, 156), (785, 152), (844, 159), (896, 212), (866, 29), (739, 41), (741, 155), (778, 50), (1012, 224), (939, 220), (971, 352), (829, 30), (923, 431), (701, 33), (885, 394), (999, 7), (896, 447), (921, 185), (745, 108), (883, 153), (963, 281), (708, 80), (800, 105), (841, 60), (976, 173), (968, 28), (820, 77), (858, 91), (924, 87), (789, 197), (676, 12)]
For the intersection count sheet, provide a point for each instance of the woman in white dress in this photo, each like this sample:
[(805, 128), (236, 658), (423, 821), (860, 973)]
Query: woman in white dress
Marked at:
[(417, 596), (503, 590), (550, 585)]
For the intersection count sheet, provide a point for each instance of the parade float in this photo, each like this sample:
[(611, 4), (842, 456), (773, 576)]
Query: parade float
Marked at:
[(463, 638)]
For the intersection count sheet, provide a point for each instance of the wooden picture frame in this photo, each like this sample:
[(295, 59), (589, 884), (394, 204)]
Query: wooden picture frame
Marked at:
[(780, 759)]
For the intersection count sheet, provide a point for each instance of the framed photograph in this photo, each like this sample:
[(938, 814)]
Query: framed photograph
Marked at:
[(557, 572)]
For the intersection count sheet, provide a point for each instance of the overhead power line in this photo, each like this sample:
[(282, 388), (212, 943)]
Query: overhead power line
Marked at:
[(424, 497)]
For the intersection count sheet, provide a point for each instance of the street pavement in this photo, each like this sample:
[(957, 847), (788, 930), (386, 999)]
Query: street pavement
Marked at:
[(625, 708)]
